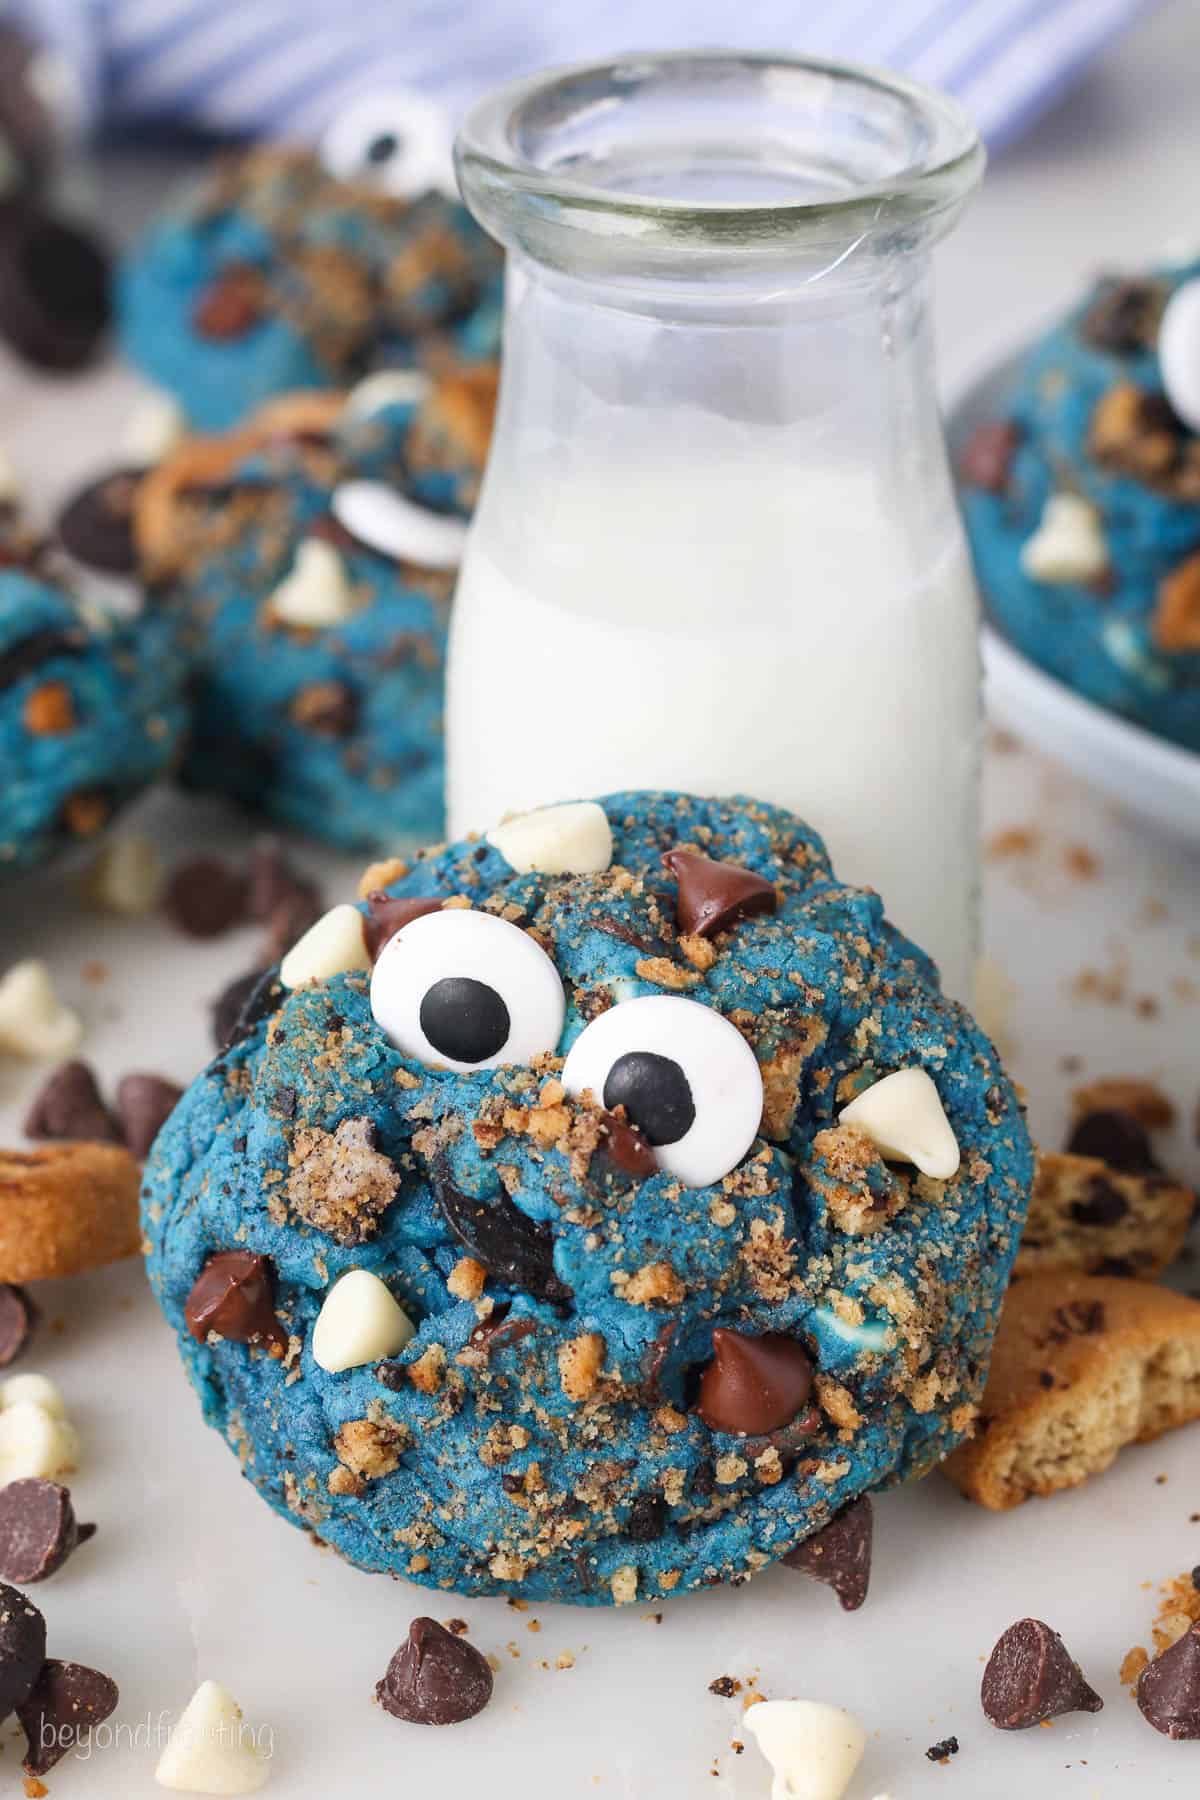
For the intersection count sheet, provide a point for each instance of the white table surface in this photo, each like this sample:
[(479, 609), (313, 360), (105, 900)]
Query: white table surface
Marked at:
[(191, 1576)]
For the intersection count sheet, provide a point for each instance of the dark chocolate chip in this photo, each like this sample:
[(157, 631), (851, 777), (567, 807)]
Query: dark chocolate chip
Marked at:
[(205, 897), (1120, 1266), (66, 1704), (1124, 316), (1118, 1139), (143, 1105), (1102, 1206), (32, 652), (754, 1384), (986, 458), (387, 915), (840, 1554), (435, 1678), (647, 1518), (625, 1147), (499, 1332), (18, 1316), (1031, 1676), (392, 1375), (515, 1249), (715, 895), (1168, 1690), (234, 1295), (943, 1751), (232, 304), (38, 1529), (274, 883), (96, 524), (54, 287), (22, 1647), (238, 1008), (69, 1105), (725, 1687)]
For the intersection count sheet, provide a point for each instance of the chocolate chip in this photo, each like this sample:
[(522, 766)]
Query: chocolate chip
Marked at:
[(725, 1687), (69, 1105), (66, 1703), (1103, 1205), (205, 897), (143, 1105), (96, 524), (840, 1554), (943, 1751), (985, 460), (234, 1295), (754, 1384), (30, 653), (54, 287), (38, 1529), (22, 1647), (239, 1007), (435, 1678), (715, 895), (1168, 1690), (18, 1316), (647, 1517), (392, 1375), (515, 1249), (387, 916), (1031, 1676), (1118, 1139), (231, 305), (625, 1147)]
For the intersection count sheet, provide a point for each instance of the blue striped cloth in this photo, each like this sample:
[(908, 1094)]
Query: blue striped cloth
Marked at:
[(285, 67)]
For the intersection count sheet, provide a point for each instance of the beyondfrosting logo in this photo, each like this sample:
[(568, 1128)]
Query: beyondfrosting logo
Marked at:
[(156, 1733)]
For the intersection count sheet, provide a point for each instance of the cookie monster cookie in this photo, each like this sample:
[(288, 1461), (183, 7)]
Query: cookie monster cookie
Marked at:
[(289, 269), (595, 1212), (1082, 504), (91, 704), (315, 598)]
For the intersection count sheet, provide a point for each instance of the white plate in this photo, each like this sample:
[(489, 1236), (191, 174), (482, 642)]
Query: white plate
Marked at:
[(1157, 780)]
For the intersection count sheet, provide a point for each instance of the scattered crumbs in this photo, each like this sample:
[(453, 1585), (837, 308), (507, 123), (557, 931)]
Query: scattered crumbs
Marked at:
[(1081, 863), (456, 1627), (657, 1618), (534, 1625), (1194, 1518), (1012, 840), (1146, 1006), (753, 1698), (35, 1789), (1134, 1662), (1002, 742), (95, 974), (1152, 911), (1071, 1064), (565, 1659), (943, 1751), (493, 1662), (1046, 1724), (513, 1651), (726, 1686), (516, 1604), (737, 1746)]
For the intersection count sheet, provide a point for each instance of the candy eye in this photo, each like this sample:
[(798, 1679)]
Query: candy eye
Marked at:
[(458, 989), (685, 1076), (398, 142)]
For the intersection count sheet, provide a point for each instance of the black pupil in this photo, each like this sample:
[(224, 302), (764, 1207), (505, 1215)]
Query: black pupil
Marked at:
[(466, 1020), (655, 1094), (382, 148)]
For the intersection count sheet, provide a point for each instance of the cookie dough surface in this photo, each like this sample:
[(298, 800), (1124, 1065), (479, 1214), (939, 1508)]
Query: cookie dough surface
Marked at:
[(1089, 420), (541, 1434), (271, 275)]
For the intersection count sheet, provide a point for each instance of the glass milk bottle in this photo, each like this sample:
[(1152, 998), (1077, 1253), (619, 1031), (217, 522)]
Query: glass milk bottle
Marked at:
[(717, 547)]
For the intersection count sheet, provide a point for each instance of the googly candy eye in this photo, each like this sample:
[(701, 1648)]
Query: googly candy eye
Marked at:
[(463, 990), (399, 142), (395, 526), (686, 1077)]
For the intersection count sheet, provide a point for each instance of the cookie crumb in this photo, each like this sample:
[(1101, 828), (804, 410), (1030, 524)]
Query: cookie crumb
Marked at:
[(943, 1751)]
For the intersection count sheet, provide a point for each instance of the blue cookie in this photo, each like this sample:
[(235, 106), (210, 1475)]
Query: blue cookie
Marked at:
[(617, 1327), (334, 728), (1089, 421), (274, 275), (91, 712)]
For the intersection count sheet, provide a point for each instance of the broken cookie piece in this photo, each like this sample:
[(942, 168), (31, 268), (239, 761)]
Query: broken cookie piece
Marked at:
[(1089, 1217)]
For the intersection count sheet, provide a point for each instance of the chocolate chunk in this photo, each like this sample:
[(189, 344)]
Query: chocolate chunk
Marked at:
[(143, 1104), (234, 1295), (239, 1007), (54, 293), (1031, 1676), (1103, 1205), (30, 653), (840, 1554), (66, 1704), (387, 916), (205, 897), (715, 895), (22, 1647), (231, 305), (38, 1529), (1124, 316), (647, 1517), (1118, 1139), (435, 1678), (943, 1751), (1168, 1690), (18, 1316), (986, 458), (626, 1148), (515, 1249), (754, 1384), (96, 525), (69, 1105)]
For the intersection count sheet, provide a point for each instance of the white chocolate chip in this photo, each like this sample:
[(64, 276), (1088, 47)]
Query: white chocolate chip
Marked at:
[(904, 1118), (359, 1323), (153, 429), (36, 1437), (1068, 546), (386, 387), (315, 593), (33, 1020), (386, 521), (1179, 352), (812, 1748), (33, 1390), (333, 946), (126, 877), (575, 839), (211, 1749)]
